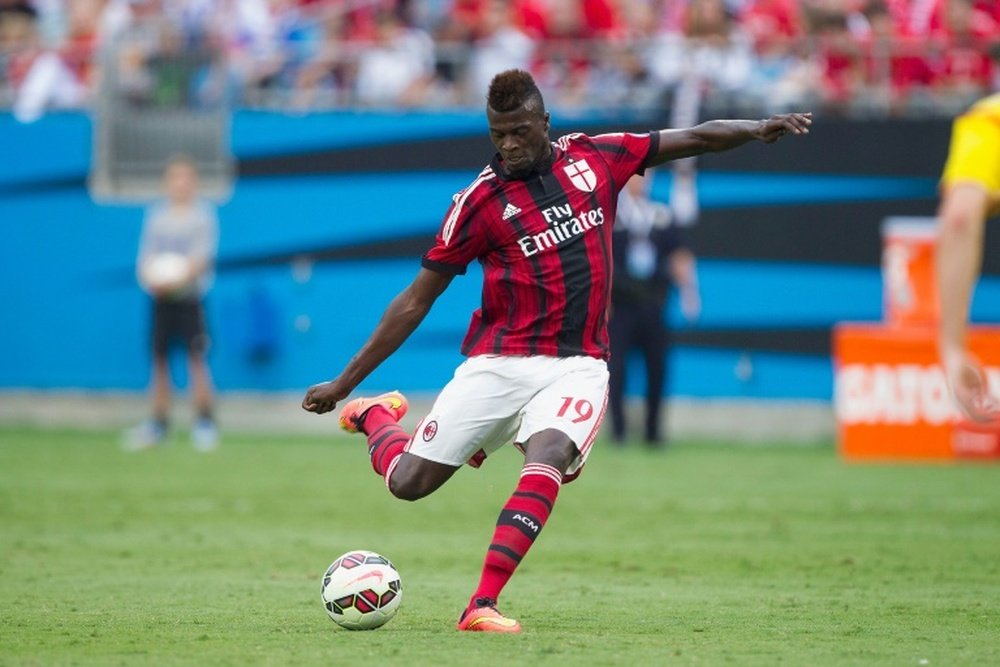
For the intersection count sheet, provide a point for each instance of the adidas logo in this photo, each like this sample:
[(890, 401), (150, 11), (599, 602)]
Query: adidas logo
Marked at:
[(510, 211)]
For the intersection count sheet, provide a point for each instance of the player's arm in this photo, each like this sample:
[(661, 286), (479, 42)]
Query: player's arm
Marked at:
[(206, 245), (962, 222), (722, 135), (683, 272), (400, 319), (145, 253)]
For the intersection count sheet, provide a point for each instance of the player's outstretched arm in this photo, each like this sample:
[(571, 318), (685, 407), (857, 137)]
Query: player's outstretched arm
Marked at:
[(962, 222), (400, 319), (722, 135)]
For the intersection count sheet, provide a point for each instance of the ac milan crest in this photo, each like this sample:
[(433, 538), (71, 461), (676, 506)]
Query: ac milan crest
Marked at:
[(430, 431), (581, 175)]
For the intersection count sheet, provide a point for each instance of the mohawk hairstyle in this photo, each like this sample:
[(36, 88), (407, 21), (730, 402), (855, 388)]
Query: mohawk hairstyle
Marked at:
[(513, 89)]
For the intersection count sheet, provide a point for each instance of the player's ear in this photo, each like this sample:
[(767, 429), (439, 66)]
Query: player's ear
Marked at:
[(546, 121)]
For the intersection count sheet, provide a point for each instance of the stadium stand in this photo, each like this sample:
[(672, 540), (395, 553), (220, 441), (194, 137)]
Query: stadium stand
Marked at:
[(852, 57)]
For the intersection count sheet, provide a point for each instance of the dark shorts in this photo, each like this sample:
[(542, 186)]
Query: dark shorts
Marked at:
[(178, 322)]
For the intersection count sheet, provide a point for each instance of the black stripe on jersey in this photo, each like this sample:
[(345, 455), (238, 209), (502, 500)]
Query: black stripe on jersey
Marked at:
[(536, 266), (608, 259), (575, 269), (654, 147), (616, 149), (487, 315), (502, 331), (441, 267), (484, 326)]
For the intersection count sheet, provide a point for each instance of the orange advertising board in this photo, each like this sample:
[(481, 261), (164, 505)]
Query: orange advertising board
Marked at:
[(892, 400), (909, 287)]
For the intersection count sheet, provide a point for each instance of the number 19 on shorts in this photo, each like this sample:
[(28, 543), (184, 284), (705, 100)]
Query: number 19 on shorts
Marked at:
[(575, 409)]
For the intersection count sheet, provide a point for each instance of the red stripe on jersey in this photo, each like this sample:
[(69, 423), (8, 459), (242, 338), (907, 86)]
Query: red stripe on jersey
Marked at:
[(544, 242)]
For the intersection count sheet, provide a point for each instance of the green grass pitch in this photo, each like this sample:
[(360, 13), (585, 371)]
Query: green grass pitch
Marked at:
[(706, 554)]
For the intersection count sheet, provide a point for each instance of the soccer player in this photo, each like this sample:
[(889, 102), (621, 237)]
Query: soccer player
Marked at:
[(538, 219), (970, 189)]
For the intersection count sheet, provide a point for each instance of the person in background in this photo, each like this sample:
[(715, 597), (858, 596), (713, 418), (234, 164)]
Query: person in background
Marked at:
[(175, 267), (650, 258), (970, 193), (397, 67), (47, 75)]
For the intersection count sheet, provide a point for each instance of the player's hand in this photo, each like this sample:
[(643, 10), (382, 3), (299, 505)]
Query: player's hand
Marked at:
[(779, 125), (323, 397), (169, 288), (968, 385), (690, 303)]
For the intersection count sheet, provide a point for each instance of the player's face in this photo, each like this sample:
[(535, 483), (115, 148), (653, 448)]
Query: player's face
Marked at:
[(521, 136)]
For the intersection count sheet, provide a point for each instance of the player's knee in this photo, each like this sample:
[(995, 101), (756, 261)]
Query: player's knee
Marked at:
[(403, 491), (563, 455), (414, 478), (553, 448), (407, 488)]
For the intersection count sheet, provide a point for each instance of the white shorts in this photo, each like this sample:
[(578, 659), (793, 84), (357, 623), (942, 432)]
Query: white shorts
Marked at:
[(493, 400)]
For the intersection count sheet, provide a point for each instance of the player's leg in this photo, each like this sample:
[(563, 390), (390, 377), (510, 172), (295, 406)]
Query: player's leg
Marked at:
[(654, 347), (204, 434), (161, 389), (620, 334), (160, 386), (407, 476), (153, 430), (569, 410), (547, 456), (201, 384), (476, 412), (415, 477)]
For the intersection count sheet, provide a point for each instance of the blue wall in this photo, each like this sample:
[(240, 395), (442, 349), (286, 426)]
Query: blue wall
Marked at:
[(74, 317)]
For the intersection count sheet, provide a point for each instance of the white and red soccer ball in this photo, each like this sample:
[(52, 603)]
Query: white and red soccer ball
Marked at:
[(361, 590), (166, 272)]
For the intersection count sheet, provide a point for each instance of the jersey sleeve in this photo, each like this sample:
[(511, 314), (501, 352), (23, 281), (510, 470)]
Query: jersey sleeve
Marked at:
[(461, 238), (974, 153), (625, 153)]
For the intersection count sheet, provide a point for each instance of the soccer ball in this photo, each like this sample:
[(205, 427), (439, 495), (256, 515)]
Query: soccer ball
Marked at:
[(361, 590), (165, 270)]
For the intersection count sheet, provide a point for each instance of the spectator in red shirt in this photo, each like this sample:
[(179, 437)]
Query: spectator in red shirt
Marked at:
[(963, 40), (772, 20), (895, 62)]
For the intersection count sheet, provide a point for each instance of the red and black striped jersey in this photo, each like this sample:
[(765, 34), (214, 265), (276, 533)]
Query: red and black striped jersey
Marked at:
[(544, 242)]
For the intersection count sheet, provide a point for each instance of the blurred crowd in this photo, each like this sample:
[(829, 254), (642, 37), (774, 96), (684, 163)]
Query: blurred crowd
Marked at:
[(847, 56)]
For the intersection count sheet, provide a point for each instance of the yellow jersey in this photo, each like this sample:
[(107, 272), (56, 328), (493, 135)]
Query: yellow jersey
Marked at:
[(974, 154)]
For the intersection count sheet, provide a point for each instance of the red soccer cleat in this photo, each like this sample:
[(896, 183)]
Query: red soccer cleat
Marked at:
[(484, 617), (352, 415)]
